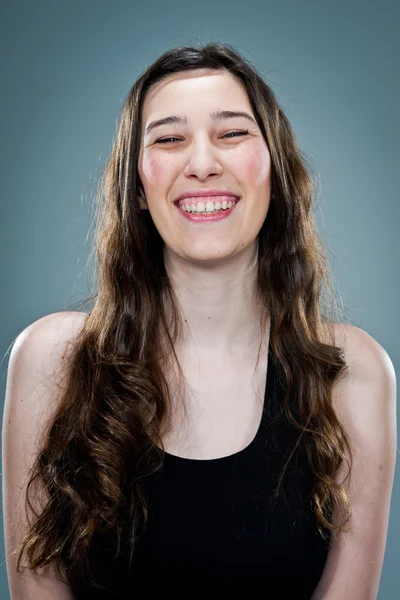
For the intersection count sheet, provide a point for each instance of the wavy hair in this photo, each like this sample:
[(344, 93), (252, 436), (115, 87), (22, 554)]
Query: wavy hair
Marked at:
[(113, 411)]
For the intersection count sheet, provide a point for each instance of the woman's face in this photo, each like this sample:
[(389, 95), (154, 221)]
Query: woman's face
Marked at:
[(202, 156)]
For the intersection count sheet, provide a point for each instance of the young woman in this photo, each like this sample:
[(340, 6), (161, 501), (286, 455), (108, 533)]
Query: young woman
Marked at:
[(210, 425)]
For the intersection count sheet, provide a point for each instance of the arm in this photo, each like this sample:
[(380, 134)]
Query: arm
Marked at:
[(34, 361), (366, 403)]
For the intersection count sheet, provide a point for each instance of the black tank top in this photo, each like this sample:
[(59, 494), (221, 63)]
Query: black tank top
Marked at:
[(213, 530)]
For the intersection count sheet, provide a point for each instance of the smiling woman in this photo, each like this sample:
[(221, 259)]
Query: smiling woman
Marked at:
[(199, 426), (199, 152)]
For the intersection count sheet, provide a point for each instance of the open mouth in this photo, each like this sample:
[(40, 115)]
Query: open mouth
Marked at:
[(220, 207), (208, 204)]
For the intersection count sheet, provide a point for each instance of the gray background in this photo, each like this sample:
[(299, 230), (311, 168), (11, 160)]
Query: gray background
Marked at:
[(67, 67)]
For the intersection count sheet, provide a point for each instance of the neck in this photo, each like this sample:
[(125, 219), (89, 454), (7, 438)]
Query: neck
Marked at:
[(219, 305)]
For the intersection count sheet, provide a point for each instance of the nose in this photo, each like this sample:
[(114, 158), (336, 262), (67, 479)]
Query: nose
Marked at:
[(202, 162)]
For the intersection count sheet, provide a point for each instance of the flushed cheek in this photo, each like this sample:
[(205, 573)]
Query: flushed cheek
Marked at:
[(155, 171), (255, 169)]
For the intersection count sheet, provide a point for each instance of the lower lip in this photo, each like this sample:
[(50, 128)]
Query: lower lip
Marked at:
[(207, 217)]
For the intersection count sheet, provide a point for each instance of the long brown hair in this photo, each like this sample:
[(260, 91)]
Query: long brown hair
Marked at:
[(106, 435)]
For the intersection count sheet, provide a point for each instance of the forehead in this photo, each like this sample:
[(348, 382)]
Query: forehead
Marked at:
[(200, 89)]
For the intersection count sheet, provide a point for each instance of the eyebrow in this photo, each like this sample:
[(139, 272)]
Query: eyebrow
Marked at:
[(219, 115)]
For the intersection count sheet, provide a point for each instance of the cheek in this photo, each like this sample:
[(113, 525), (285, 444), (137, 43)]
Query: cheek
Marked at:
[(155, 170), (255, 168)]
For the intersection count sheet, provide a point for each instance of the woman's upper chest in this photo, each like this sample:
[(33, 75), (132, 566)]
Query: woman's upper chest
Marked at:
[(223, 408)]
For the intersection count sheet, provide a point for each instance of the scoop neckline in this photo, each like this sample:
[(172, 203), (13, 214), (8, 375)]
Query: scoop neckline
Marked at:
[(231, 457)]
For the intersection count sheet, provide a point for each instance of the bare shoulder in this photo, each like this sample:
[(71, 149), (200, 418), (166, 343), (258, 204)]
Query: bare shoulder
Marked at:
[(365, 394), (364, 355), (365, 398), (56, 328), (34, 374), (36, 363)]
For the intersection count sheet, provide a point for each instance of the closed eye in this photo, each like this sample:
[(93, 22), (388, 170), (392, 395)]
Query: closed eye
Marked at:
[(238, 133)]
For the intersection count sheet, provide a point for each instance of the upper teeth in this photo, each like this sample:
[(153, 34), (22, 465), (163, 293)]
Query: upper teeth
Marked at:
[(208, 206)]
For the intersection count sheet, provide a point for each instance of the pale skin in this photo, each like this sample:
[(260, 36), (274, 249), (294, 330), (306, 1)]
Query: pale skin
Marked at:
[(212, 266)]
